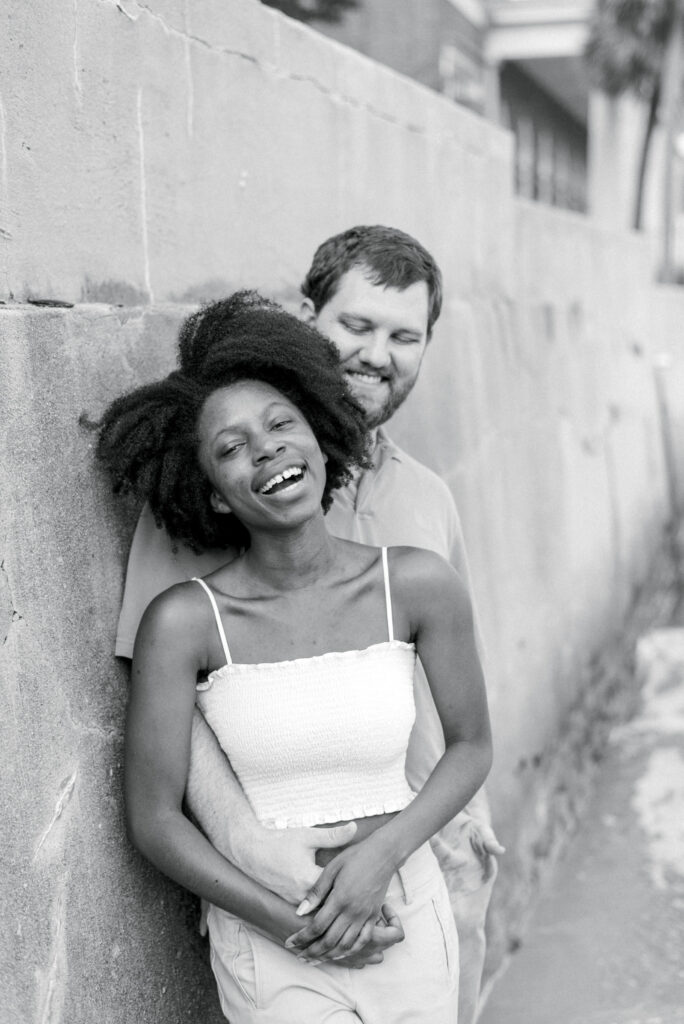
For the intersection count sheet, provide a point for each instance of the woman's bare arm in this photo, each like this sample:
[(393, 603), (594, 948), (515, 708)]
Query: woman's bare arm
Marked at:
[(158, 733), (158, 730)]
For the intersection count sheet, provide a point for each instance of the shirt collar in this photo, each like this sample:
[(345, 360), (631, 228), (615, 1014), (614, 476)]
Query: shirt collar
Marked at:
[(385, 449)]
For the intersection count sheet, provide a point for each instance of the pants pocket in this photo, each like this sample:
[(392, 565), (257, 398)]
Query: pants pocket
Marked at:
[(234, 962), (449, 936)]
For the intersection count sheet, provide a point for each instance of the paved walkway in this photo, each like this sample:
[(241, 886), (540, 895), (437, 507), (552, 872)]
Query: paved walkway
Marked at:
[(606, 945)]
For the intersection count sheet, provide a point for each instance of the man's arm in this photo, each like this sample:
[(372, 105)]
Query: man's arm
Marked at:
[(282, 860), (279, 859), (474, 821), (441, 625), (158, 742), (155, 563)]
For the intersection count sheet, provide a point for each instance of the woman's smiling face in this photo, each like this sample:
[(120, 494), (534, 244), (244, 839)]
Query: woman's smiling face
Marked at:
[(260, 455)]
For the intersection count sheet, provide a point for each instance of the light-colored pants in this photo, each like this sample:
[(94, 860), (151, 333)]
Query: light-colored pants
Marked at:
[(470, 910), (469, 883), (260, 982)]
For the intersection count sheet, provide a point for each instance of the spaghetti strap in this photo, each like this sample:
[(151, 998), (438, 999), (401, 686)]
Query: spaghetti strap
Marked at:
[(388, 595), (196, 579)]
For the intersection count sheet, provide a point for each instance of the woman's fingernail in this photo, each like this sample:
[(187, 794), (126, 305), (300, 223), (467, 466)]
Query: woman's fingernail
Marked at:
[(303, 908)]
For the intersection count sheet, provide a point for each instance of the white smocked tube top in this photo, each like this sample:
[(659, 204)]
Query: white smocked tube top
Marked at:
[(317, 740), (321, 739)]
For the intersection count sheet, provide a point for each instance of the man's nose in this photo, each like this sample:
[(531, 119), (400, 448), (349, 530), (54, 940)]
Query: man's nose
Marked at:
[(375, 350)]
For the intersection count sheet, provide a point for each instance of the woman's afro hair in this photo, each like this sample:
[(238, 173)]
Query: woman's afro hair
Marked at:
[(148, 439)]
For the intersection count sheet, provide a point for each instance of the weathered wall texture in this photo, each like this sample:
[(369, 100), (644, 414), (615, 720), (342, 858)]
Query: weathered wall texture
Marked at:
[(154, 154), (551, 435)]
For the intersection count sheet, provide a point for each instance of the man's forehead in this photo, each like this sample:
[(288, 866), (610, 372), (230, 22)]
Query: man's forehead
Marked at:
[(357, 292)]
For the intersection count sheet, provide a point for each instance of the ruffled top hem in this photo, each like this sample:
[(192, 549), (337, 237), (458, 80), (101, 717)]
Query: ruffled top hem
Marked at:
[(329, 817)]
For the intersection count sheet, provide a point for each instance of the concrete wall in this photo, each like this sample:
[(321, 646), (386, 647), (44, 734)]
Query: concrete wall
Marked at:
[(666, 317), (194, 149), (88, 931), (154, 154), (551, 435)]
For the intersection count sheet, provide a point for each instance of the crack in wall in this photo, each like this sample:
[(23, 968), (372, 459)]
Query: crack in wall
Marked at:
[(76, 54), (4, 182), (63, 799), (272, 68), (56, 978), (190, 107), (143, 196), (110, 734), (8, 613)]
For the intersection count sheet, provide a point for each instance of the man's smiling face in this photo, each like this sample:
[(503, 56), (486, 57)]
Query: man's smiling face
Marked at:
[(380, 333)]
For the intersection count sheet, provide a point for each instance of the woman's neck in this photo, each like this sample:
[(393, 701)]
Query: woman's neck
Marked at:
[(291, 559)]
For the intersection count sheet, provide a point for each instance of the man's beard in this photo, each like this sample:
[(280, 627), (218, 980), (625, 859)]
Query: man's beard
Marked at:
[(376, 417)]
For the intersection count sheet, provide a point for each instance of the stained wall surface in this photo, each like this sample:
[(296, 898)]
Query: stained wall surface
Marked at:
[(155, 154)]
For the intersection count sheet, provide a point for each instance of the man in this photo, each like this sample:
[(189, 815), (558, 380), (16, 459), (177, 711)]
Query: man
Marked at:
[(376, 293)]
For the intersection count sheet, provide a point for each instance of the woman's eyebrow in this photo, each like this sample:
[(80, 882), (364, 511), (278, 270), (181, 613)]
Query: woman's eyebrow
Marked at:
[(232, 428)]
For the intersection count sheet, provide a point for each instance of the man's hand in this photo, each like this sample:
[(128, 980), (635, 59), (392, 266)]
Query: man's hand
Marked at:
[(283, 860), (466, 849), (350, 893), (484, 842)]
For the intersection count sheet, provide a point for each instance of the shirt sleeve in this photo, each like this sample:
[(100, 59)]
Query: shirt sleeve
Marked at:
[(456, 540), (155, 563), (477, 807), (459, 559)]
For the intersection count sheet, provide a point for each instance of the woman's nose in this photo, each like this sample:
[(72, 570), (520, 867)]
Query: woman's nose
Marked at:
[(267, 448)]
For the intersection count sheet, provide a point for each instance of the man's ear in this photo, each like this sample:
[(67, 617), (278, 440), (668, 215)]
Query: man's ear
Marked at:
[(307, 312), (219, 504)]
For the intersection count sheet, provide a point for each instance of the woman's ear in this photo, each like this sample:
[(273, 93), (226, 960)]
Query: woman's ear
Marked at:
[(219, 504)]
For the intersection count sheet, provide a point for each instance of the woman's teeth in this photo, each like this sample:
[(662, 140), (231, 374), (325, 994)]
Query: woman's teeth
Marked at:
[(280, 480)]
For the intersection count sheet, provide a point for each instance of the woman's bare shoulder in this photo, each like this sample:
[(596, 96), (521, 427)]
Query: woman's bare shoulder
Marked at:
[(418, 564), (177, 615), (423, 577)]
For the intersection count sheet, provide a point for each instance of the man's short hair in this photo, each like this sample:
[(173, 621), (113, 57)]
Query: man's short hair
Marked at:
[(392, 258)]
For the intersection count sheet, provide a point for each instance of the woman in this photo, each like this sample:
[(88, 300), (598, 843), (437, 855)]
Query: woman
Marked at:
[(304, 647)]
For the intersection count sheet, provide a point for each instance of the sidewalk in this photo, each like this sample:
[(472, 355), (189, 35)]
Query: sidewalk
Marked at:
[(606, 943)]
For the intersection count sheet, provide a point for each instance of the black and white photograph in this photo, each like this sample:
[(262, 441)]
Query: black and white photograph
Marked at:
[(342, 511)]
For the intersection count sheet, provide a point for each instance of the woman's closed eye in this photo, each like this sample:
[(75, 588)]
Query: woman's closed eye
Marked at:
[(231, 448)]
